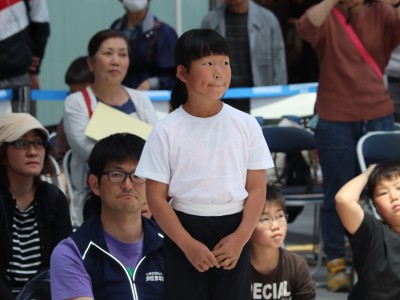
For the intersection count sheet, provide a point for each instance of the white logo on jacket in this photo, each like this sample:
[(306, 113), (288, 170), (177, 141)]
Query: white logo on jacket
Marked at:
[(154, 276)]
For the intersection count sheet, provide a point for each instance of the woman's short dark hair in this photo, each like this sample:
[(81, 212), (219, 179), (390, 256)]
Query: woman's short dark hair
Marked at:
[(192, 45), (386, 170), (96, 41)]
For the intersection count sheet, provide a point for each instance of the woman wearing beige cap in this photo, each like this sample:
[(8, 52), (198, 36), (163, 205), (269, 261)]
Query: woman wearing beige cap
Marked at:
[(34, 215)]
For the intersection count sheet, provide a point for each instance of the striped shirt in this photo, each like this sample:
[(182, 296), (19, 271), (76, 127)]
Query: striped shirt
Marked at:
[(26, 258)]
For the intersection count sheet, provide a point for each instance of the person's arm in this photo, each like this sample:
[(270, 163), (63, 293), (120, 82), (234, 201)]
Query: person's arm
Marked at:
[(165, 63), (163, 73), (279, 55), (228, 250), (68, 274), (318, 14), (39, 30), (196, 252), (348, 208), (76, 119)]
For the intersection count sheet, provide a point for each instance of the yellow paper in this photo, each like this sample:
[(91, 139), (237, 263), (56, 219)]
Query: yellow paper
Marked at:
[(107, 120)]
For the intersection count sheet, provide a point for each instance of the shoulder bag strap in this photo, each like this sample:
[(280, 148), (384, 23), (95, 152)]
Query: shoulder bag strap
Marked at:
[(357, 43), (87, 101)]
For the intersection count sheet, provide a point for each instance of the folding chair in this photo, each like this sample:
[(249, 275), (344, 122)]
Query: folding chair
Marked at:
[(375, 147), (56, 177), (291, 140), (52, 138), (67, 174)]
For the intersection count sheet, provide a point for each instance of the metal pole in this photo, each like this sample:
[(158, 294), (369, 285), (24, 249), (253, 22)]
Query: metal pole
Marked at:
[(178, 16), (21, 101)]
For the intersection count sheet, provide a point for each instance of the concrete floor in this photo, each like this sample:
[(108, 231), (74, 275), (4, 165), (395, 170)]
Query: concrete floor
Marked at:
[(300, 232)]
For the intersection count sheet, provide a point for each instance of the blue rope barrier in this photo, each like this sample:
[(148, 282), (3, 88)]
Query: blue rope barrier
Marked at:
[(5, 95), (164, 95)]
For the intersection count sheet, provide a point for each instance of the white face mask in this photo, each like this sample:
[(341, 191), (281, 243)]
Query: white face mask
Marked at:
[(135, 5)]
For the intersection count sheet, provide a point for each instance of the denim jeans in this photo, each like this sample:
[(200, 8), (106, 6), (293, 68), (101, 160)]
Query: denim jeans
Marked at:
[(336, 145)]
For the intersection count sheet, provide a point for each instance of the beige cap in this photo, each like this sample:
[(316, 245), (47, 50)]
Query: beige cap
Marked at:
[(15, 125)]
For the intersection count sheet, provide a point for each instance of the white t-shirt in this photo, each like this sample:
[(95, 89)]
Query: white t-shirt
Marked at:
[(205, 160)]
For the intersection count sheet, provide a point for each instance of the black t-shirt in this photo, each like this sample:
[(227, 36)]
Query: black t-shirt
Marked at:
[(376, 258)]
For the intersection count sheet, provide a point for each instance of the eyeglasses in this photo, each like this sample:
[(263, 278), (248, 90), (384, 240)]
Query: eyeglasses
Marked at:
[(120, 176), (281, 219), (25, 144)]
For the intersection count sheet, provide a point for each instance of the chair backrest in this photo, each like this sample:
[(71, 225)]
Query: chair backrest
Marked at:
[(67, 174), (378, 146), (292, 169), (52, 138), (295, 174), (288, 139), (375, 147), (57, 177), (294, 177)]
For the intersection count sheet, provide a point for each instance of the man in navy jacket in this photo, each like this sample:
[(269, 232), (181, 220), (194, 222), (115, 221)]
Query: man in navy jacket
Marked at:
[(151, 44), (118, 253)]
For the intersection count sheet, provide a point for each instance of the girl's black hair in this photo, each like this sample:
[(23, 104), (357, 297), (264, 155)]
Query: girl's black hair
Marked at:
[(386, 170), (192, 45)]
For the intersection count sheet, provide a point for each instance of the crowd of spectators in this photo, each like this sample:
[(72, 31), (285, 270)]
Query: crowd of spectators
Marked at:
[(356, 63)]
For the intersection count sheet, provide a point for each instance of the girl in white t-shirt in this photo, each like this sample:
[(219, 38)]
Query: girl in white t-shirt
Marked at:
[(210, 159)]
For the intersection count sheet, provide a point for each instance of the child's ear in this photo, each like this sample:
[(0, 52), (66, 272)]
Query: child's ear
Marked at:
[(94, 184), (181, 73)]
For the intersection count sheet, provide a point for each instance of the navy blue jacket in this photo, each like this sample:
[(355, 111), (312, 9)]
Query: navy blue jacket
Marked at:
[(110, 279), (151, 53)]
